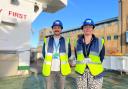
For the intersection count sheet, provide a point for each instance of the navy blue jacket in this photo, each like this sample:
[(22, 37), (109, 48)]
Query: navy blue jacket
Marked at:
[(101, 55), (61, 49), (80, 41)]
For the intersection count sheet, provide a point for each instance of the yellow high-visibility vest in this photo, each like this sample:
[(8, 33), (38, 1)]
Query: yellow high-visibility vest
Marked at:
[(65, 67), (95, 66)]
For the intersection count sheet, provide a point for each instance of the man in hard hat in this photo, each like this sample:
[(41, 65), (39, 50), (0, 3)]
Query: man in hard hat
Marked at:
[(90, 53), (56, 52)]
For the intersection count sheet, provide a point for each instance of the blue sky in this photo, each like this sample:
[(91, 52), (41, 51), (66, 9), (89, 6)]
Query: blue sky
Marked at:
[(74, 14)]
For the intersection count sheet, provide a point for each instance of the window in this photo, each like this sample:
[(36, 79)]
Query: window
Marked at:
[(127, 23), (108, 37), (99, 26), (109, 24), (36, 8), (115, 37), (126, 36), (15, 2)]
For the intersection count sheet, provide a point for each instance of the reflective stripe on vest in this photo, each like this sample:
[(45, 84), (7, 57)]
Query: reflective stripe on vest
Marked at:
[(95, 65), (65, 67)]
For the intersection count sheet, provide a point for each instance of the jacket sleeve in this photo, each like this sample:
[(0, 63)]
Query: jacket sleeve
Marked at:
[(43, 50), (75, 52), (102, 54), (69, 50)]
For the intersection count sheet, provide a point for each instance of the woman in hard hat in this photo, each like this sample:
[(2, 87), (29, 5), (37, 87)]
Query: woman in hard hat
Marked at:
[(90, 53)]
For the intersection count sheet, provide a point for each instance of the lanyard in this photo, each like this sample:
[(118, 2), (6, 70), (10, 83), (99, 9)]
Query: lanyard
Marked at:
[(87, 48), (56, 46)]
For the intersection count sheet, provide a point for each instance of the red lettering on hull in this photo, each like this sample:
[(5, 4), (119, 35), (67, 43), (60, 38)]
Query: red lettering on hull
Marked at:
[(1, 10), (17, 15)]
